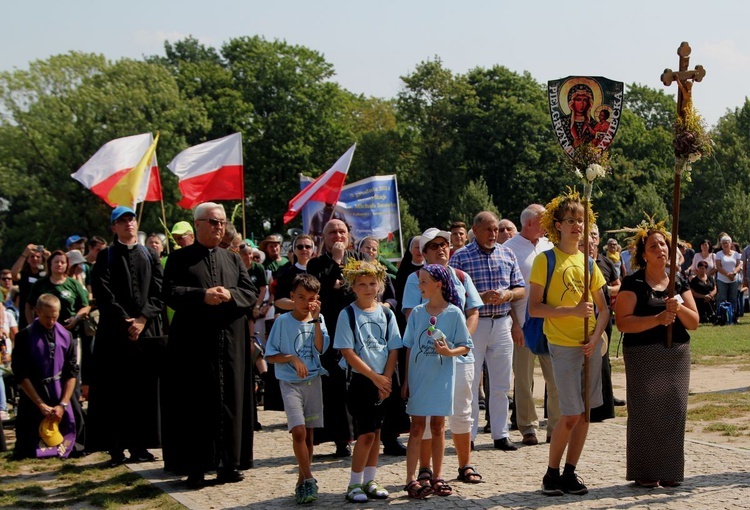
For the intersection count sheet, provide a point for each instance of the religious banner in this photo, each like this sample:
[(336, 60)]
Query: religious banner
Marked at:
[(369, 207), (585, 110)]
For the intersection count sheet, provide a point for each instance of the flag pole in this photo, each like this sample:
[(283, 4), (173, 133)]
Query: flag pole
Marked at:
[(140, 213)]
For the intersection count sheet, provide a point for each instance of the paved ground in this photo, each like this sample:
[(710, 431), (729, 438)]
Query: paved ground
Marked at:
[(717, 477)]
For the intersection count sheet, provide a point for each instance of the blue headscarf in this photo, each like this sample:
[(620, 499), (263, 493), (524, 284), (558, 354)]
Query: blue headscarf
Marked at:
[(443, 275)]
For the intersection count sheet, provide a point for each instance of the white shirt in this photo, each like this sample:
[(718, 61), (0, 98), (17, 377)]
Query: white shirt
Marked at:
[(525, 252)]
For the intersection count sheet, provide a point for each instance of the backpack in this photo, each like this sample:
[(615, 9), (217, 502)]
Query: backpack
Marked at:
[(355, 331), (724, 314)]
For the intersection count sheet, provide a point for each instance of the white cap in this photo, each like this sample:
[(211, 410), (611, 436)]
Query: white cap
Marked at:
[(430, 234)]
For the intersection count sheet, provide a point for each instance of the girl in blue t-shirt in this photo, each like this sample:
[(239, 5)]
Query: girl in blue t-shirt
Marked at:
[(435, 334)]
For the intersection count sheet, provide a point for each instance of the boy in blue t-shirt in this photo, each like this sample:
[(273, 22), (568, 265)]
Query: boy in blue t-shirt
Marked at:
[(295, 344), (368, 337)]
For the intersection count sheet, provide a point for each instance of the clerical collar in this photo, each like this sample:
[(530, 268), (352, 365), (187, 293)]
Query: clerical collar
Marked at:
[(128, 246), (300, 266)]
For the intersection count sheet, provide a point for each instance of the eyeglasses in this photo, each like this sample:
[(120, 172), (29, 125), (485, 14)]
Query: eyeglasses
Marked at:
[(213, 222), (304, 247), (6, 278), (436, 246), (572, 221), (256, 257)]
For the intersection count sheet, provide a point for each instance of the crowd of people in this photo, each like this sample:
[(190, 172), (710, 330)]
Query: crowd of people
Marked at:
[(356, 351)]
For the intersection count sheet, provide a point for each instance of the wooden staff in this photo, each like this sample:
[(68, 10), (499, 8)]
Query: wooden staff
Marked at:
[(586, 280), (684, 79)]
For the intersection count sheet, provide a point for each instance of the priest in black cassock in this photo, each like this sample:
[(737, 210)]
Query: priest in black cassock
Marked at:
[(211, 294), (129, 347)]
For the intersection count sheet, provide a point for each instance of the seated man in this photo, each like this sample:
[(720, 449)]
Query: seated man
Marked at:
[(44, 363)]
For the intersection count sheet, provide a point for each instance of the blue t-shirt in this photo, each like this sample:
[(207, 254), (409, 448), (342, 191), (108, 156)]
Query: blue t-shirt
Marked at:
[(290, 336), (467, 295), (431, 376), (370, 344)]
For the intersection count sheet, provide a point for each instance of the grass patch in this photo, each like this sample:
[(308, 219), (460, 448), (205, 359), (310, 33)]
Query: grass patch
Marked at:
[(54, 483), (716, 412), (709, 345), (726, 429)]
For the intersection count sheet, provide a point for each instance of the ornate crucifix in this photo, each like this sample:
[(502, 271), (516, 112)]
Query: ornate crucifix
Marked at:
[(684, 79)]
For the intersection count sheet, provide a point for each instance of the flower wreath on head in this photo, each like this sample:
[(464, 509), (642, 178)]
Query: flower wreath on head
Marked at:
[(355, 268), (548, 218), (640, 233)]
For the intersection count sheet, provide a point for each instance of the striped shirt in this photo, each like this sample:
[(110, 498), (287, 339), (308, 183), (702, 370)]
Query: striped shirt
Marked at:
[(494, 270)]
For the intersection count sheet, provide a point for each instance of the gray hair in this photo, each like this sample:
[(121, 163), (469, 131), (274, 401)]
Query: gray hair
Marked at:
[(531, 213), (485, 216), (203, 208)]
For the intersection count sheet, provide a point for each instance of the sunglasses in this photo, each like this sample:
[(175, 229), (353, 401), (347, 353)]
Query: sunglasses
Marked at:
[(435, 246), (256, 257), (304, 247), (6, 278), (213, 222), (703, 265)]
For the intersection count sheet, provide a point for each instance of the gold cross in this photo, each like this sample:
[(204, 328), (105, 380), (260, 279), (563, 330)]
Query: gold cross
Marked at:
[(684, 79)]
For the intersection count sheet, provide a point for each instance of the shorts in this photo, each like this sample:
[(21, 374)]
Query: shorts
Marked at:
[(303, 403), (364, 405), (567, 365)]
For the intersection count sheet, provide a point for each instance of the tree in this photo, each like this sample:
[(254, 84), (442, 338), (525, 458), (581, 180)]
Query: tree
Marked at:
[(474, 197)]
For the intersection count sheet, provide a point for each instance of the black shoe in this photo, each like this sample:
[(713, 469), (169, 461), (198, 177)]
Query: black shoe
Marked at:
[(473, 448), (394, 447), (482, 404), (343, 450), (142, 456), (618, 402), (257, 426), (488, 428), (116, 460), (229, 476), (505, 445), (195, 481), (551, 486), (572, 484)]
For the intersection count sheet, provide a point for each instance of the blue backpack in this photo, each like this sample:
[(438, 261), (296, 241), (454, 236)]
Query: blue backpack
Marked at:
[(724, 314)]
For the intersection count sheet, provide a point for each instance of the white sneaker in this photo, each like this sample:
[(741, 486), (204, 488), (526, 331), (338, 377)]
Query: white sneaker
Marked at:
[(374, 490), (355, 494)]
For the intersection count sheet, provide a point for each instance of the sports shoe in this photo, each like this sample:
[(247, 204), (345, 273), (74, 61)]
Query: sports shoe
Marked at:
[(551, 486), (573, 484), (309, 491), (375, 491), (355, 494), (299, 493)]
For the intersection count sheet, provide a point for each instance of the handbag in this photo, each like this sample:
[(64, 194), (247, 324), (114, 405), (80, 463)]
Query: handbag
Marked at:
[(533, 327)]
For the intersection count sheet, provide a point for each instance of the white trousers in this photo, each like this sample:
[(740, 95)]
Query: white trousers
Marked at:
[(493, 344)]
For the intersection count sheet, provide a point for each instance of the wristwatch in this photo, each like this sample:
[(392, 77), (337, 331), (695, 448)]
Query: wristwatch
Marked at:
[(64, 406), (316, 321)]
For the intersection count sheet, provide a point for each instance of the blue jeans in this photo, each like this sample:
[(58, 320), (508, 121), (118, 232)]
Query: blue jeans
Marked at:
[(728, 292)]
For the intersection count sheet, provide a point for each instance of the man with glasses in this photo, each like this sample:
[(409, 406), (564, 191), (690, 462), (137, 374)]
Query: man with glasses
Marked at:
[(212, 295), (183, 234), (127, 284), (507, 230), (497, 276)]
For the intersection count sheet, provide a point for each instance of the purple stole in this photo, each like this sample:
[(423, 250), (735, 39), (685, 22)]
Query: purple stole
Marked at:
[(51, 367)]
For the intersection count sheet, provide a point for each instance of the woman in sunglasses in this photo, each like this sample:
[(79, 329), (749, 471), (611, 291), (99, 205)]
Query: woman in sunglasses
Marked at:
[(304, 250)]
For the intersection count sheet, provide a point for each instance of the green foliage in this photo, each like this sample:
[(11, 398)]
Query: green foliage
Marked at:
[(474, 197)]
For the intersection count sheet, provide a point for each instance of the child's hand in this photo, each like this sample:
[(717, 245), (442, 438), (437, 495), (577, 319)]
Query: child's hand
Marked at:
[(441, 347), (382, 382), (405, 390), (314, 308), (300, 367)]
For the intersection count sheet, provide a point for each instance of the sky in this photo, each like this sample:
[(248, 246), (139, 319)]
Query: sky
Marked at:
[(372, 44)]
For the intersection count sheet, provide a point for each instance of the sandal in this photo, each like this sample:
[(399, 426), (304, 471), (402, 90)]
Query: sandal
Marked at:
[(649, 484), (468, 474), (416, 490), (425, 476), (441, 487)]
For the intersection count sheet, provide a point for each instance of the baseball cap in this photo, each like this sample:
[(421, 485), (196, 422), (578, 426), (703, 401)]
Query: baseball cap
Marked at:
[(120, 211), (73, 239), (182, 228), (430, 234)]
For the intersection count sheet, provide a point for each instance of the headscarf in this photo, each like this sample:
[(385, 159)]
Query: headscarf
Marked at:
[(441, 274)]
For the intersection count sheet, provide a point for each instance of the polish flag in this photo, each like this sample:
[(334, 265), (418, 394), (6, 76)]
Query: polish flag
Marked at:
[(325, 188), (210, 171), (109, 168)]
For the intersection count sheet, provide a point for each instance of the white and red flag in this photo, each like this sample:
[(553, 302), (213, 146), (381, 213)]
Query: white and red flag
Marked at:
[(210, 171), (325, 188), (123, 171)]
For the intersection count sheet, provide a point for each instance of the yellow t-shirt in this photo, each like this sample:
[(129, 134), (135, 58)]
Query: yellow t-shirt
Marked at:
[(565, 289)]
